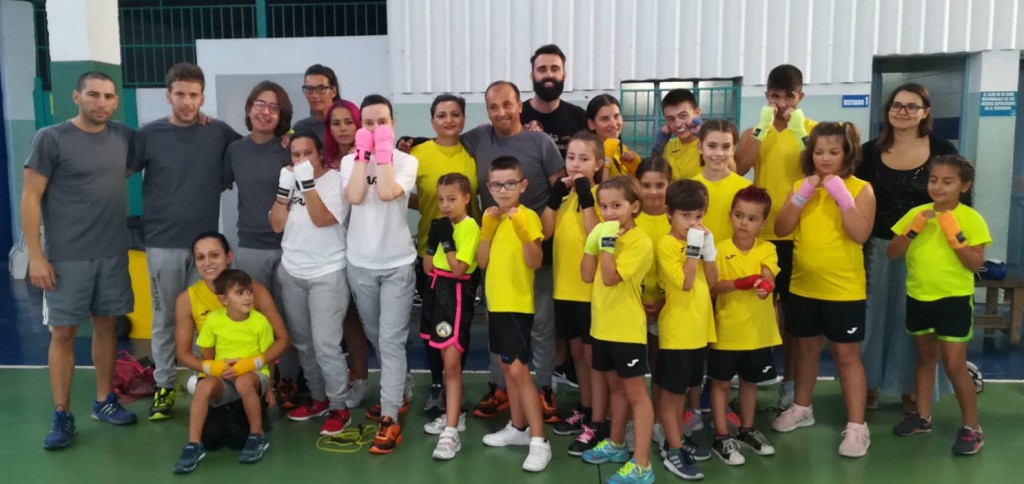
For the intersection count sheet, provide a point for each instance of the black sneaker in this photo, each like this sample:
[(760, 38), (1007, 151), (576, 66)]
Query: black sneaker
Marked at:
[(682, 464), (571, 425), (968, 441), (435, 403), (912, 424), (565, 374), (728, 450), (756, 441), (699, 453), (592, 434)]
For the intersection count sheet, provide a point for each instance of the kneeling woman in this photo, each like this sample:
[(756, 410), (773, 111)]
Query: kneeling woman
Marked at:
[(309, 210)]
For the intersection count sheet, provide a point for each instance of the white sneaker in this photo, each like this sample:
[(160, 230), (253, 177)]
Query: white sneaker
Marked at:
[(436, 427), (658, 435), (448, 444), (630, 437), (793, 418), (357, 393), (856, 440), (540, 455), (509, 435)]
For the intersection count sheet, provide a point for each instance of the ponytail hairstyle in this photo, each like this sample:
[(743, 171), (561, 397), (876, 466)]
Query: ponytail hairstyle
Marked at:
[(964, 169), (851, 146), (629, 186)]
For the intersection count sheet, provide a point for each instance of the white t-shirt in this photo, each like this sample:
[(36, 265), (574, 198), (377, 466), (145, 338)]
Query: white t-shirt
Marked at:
[(309, 251), (378, 231)]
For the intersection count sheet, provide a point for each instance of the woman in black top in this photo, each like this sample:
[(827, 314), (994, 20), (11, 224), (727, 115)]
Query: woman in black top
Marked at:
[(896, 163)]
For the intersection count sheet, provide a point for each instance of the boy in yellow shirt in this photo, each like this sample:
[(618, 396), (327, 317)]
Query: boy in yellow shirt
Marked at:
[(510, 252), (773, 148), (745, 322), (686, 271), (677, 140), (233, 342)]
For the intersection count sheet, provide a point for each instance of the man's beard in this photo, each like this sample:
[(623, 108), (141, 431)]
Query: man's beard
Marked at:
[(546, 93)]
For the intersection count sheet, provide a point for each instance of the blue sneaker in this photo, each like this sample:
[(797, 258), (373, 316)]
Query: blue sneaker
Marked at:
[(682, 464), (255, 447), (111, 411), (699, 453), (191, 454), (606, 451), (61, 432), (631, 473)]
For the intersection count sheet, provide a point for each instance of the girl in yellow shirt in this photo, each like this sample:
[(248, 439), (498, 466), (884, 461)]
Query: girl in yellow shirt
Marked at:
[(830, 214), (569, 216), (717, 147), (605, 120)]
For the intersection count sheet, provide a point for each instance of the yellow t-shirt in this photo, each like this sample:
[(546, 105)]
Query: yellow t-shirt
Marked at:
[(509, 285), (436, 160), (617, 312), (687, 321), (827, 264), (236, 339), (682, 157), (569, 238), (202, 301), (655, 226), (743, 320), (617, 167), (777, 167), (933, 269), (467, 238), (720, 194)]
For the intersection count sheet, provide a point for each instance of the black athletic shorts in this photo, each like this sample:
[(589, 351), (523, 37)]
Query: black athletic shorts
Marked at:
[(677, 370), (627, 360), (949, 319), (572, 320), (839, 321), (509, 336), (754, 366), (451, 311)]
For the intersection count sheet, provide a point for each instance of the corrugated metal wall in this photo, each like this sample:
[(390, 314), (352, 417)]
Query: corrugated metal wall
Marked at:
[(462, 45)]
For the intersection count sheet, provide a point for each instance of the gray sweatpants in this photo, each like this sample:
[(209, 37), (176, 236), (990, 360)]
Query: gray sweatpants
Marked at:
[(261, 265), (170, 272), (384, 301), (542, 336), (314, 309)]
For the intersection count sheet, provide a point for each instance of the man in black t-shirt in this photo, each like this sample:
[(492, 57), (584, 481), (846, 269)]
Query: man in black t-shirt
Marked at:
[(545, 111)]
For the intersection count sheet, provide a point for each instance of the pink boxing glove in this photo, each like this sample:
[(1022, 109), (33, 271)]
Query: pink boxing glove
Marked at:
[(384, 144), (837, 190), (364, 145), (804, 193)]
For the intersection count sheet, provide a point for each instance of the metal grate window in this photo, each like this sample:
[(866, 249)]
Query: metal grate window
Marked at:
[(326, 19), (641, 106)]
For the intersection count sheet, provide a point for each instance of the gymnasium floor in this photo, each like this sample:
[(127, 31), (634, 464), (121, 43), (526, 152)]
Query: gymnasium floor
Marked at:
[(147, 451)]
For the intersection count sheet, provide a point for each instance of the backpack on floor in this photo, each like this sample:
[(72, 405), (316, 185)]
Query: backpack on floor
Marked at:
[(132, 379)]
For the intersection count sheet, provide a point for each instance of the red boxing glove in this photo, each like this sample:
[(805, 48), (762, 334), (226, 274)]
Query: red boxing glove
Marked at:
[(364, 145), (746, 282), (765, 285), (383, 144)]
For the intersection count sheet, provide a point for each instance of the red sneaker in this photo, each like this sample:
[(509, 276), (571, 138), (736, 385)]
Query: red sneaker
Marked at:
[(313, 409), (336, 422)]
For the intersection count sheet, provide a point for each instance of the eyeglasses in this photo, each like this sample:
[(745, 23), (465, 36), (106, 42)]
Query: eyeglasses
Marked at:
[(507, 186), (263, 105), (321, 89), (896, 107)]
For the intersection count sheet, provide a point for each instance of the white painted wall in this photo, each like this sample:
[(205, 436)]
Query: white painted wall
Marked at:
[(84, 30)]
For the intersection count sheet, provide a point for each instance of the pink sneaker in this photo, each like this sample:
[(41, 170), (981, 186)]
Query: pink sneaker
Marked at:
[(692, 421), (856, 440), (793, 418)]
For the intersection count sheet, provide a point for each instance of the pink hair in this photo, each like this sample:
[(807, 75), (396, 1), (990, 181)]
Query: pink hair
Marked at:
[(332, 152)]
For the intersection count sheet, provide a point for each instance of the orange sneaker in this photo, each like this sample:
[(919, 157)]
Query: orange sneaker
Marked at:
[(373, 413), (549, 406), (495, 401), (389, 435)]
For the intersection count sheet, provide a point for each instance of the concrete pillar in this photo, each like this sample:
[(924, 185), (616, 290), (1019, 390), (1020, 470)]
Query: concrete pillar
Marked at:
[(989, 140), (17, 71), (84, 36)]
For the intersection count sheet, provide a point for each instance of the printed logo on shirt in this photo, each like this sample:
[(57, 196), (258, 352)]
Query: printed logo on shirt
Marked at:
[(730, 256)]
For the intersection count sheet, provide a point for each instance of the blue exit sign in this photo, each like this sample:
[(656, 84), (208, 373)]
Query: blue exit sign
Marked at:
[(855, 101)]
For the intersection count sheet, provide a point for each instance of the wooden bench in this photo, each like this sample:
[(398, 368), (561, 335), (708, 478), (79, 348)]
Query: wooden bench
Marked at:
[(1014, 290)]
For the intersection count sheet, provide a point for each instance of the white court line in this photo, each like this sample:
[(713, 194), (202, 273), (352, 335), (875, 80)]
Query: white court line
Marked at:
[(471, 372)]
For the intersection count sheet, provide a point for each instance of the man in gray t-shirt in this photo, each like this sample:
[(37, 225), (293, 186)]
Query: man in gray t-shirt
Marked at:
[(542, 166), (75, 188), (182, 179)]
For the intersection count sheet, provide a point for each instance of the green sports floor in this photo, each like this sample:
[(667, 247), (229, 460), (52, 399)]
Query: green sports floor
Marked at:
[(146, 452)]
